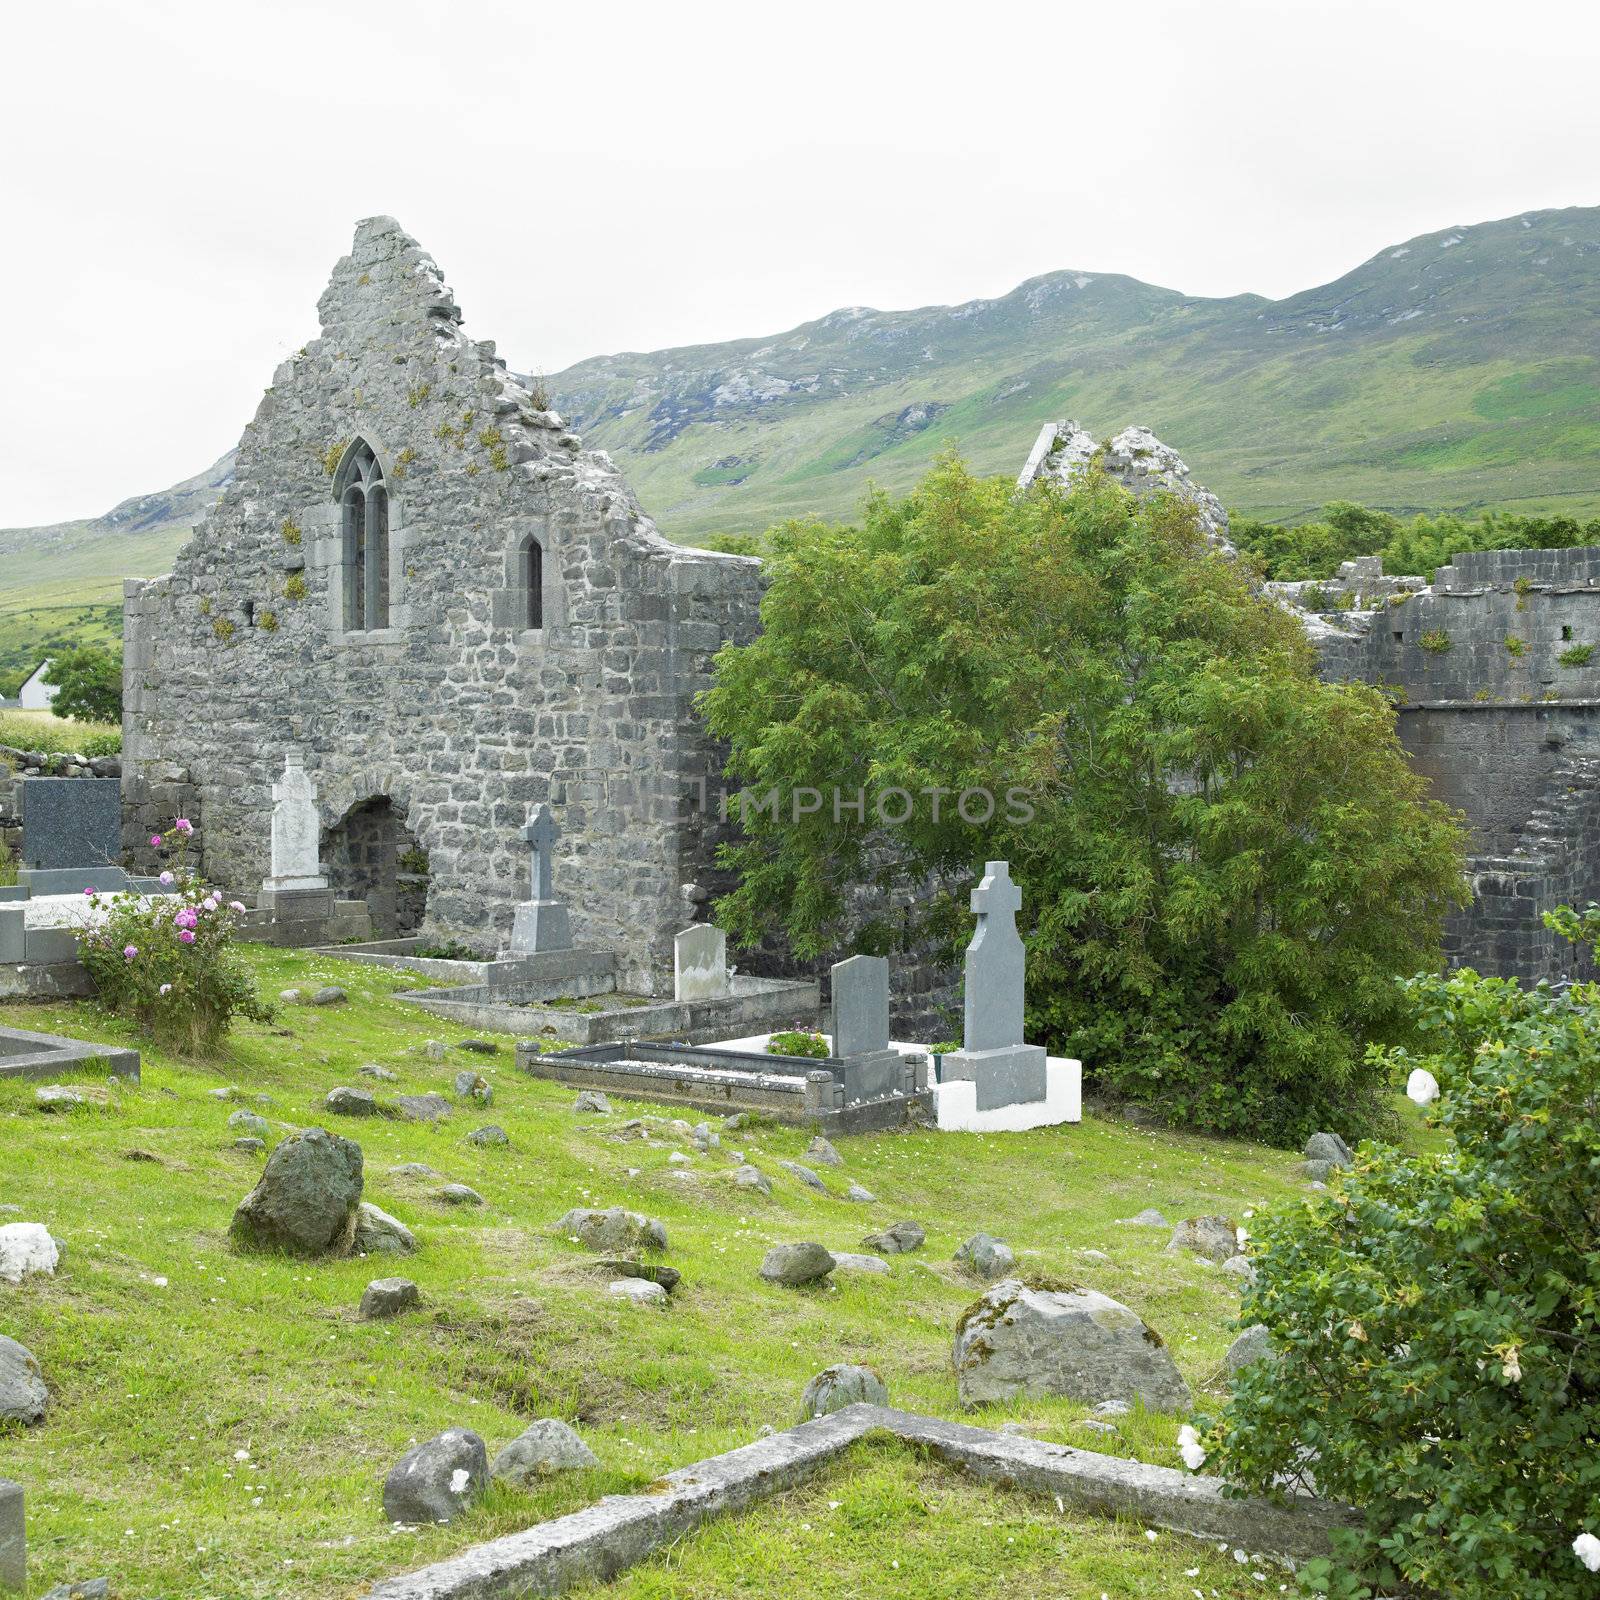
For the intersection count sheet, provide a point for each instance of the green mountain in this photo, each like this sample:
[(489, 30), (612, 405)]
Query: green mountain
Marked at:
[(1457, 371)]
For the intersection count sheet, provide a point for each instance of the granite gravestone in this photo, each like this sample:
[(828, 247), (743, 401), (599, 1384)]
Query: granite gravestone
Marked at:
[(1006, 1071), (700, 963), (70, 822), (861, 1030), (297, 887), (540, 923), (13, 1538)]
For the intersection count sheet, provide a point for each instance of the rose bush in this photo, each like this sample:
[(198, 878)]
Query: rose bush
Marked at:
[(165, 961)]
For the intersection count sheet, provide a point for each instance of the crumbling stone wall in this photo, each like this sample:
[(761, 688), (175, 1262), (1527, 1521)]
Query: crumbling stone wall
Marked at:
[(452, 707)]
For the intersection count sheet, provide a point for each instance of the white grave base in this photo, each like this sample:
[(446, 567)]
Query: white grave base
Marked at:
[(957, 1103)]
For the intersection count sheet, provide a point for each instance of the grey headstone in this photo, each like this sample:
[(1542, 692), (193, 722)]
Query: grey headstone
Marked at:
[(861, 1006), (994, 964), (540, 923), (700, 963), (13, 1537), (70, 822)]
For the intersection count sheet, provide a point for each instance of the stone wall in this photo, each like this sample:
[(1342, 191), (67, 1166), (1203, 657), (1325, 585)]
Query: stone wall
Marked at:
[(452, 707)]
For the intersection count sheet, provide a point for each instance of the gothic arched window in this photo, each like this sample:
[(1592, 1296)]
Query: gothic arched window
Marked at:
[(532, 583), (364, 503)]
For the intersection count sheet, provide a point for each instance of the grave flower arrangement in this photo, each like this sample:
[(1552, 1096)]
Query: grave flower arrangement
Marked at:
[(165, 961)]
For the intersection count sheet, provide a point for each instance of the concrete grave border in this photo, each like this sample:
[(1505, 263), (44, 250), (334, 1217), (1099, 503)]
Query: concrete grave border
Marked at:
[(615, 1533)]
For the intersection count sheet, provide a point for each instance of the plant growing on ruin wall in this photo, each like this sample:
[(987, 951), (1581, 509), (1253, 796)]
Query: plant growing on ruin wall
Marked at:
[(291, 532), (267, 621), (332, 456), (294, 586), (1435, 641), (1515, 646), (1437, 1347), (1228, 862), (165, 961), (1576, 655), (223, 629)]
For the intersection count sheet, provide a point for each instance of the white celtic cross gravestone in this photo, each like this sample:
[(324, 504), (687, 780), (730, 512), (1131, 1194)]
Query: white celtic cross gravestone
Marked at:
[(297, 884), (541, 922)]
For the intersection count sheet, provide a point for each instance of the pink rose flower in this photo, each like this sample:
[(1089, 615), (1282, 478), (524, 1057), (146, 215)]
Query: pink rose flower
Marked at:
[(88, 894), (155, 841), (186, 934), (129, 951), (236, 905), (183, 825), (166, 877)]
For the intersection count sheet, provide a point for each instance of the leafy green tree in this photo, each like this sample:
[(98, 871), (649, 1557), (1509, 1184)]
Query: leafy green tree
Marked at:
[(89, 680), (1435, 1319), (1226, 862)]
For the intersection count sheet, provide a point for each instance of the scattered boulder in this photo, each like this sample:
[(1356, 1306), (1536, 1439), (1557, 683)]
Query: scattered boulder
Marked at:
[(739, 1119), (27, 1248), (1148, 1218), (613, 1229), (479, 1047), (1241, 1269), (796, 1264), (352, 1103), (858, 1193), (1254, 1344), (1319, 1172), (1112, 1408), (986, 1257), (473, 1086), (836, 1387), (438, 1479), (458, 1194), (382, 1074), (23, 1396), (290, 997), (491, 1133), (896, 1240), (59, 1097), (388, 1297), (377, 1233), (414, 1169), (591, 1100), (824, 1154), (248, 1123), (543, 1447), (329, 994), (847, 1261), (805, 1175), (434, 1049), (1215, 1238), (1078, 1343), (250, 1145), (748, 1177), (306, 1198), (651, 1271), (637, 1291), (1329, 1147), (429, 1107), (83, 1589)]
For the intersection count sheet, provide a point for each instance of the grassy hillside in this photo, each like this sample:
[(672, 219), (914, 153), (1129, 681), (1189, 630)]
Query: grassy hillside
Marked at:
[(1456, 371), (168, 1353)]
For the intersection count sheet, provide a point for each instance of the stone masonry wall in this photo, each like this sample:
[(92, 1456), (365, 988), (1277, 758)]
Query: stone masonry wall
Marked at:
[(456, 711)]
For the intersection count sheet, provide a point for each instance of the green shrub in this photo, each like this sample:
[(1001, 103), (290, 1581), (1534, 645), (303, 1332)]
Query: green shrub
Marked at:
[(798, 1042), (164, 961), (101, 744), (1515, 646), (1435, 641), (448, 950), (1435, 1316)]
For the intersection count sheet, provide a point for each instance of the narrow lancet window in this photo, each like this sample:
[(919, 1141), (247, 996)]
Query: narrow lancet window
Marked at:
[(533, 584), (365, 508)]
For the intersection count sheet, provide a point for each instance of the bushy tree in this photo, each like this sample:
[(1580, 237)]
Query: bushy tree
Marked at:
[(1435, 1317), (1226, 863), (89, 681)]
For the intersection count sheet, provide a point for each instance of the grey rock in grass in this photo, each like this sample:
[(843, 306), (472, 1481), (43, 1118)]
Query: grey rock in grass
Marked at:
[(330, 994), (26, 1248), (479, 1047), (220, 1094), (1329, 1147), (293, 997), (986, 1257), (836, 1387), (438, 1479), (23, 1396), (1319, 1171), (1215, 1238), (434, 1049), (59, 1097), (490, 1134), (377, 1233), (458, 1194), (652, 1271), (382, 1074), (613, 1229), (1148, 1218), (1254, 1344), (591, 1100), (543, 1447), (897, 1239), (823, 1153), (80, 1589), (1112, 1408), (352, 1103), (805, 1175), (414, 1169), (637, 1291), (1241, 1269), (250, 1145), (428, 1107), (738, 1120), (748, 1177), (388, 1297), (1078, 1343), (848, 1261), (860, 1194), (305, 1201), (795, 1264), (247, 1122), (1098, 1427)]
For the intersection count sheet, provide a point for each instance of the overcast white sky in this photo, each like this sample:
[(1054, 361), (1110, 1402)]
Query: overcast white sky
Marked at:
[(179, 177)]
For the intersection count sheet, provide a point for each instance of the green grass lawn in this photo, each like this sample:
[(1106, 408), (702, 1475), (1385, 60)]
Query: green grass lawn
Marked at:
[(168, 1354), (43, 730)]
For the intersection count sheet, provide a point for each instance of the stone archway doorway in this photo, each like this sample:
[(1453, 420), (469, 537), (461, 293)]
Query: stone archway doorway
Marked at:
[(371, 855)]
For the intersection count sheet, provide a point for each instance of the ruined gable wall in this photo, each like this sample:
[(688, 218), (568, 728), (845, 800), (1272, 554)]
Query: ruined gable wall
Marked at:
[(461, 715)]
